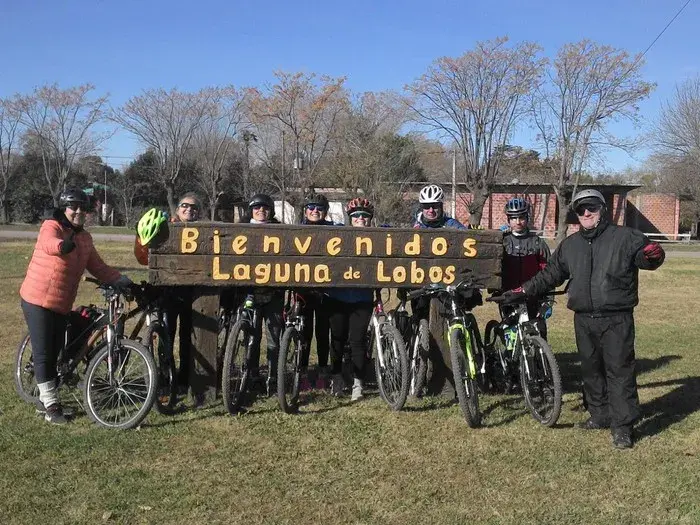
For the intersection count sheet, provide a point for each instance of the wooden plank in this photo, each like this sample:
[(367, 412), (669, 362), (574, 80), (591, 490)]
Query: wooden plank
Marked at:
[(299, 271), (203, 364)]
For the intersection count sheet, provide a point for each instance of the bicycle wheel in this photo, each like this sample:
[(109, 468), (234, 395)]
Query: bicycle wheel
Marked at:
[(289, 370), (391, 366), (122, 398), (25, 381), (465, 383), (235, 368), (541, 380), (158, 343), (419, 359)]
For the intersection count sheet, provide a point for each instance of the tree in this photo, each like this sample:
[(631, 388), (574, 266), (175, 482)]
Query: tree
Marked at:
[(587, 86), (214, 142), (678, 144), (60, 127), (476, 100), (300, 114), (165, 122), (9, 128)]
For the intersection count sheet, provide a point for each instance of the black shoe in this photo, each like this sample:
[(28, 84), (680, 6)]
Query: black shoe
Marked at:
[(41, 410), (622, 438), (54, 415), (592, 424)]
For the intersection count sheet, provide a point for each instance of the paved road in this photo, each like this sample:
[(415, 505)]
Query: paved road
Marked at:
[(15, 234)]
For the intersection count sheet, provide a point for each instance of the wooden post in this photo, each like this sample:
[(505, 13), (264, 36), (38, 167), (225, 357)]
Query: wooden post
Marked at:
[(441, 382), (203, 360)]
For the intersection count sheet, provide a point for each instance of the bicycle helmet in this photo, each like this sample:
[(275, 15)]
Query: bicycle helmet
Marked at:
[(431, 194), (262, 199), (517, 207), (149, 225), (359, 204), (588, 196), (71, 196), (316, 198)]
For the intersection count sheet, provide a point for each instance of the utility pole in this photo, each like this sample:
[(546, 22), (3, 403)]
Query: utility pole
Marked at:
[(284, 192), (454, 183)]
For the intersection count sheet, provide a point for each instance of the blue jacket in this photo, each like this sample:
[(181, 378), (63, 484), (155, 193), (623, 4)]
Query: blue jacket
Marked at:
[(445, 222)]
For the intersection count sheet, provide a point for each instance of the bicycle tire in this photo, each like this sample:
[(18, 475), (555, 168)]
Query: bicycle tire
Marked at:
[(544, 383), (392, 378), (289, 370), (419, 361), (465, 385), (106, 397), (25, 380), (235, 368), (158, 343)]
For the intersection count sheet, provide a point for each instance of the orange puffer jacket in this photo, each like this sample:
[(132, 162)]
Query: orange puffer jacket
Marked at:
[(52, 279)]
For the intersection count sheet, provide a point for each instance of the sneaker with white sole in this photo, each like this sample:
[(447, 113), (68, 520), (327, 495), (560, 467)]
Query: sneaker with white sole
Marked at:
[(356, 390), (54, 415), (41, 410)]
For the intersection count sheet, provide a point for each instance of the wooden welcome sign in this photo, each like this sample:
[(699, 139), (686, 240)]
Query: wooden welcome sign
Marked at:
[(224, 254)]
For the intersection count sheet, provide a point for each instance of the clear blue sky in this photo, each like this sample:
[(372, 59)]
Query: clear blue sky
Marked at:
[(125, 46)]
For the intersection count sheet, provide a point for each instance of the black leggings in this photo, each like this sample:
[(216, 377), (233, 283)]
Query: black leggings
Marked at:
[(47, 332), (315, 307), (349, 322)]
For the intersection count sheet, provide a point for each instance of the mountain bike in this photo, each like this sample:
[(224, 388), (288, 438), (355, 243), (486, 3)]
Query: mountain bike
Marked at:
[(416, 336), (117, 375), (391, 361), (292, 346), (237, 358), (466, 350), (515, 348)]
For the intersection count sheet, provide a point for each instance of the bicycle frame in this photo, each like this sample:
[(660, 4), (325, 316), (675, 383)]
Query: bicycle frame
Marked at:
[(378, 318)]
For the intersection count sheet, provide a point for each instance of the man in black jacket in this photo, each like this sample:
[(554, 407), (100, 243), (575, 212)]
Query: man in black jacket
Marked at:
[(602, 262)]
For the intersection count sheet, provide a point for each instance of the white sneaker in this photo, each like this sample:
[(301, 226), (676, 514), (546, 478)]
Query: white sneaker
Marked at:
[(337, 385), (356, 390)]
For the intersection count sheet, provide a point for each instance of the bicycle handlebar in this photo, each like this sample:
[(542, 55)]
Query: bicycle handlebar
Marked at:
[(438, 288), (522, 299)]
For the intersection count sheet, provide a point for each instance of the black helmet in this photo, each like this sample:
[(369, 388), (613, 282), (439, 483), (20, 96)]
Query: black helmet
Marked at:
[(73, 195), (262, 199), (517, 207), (316, 198)]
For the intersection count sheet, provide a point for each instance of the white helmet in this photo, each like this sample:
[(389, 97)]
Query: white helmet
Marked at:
[(586, 196), (431, 194)]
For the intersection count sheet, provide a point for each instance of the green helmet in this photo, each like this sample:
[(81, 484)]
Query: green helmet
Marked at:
[(149, 225)]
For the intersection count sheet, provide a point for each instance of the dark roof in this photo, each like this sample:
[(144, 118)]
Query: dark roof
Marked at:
[(516, 187)]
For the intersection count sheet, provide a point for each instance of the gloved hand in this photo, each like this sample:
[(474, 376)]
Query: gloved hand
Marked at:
[(68, 245), (123, 283), (505, 228), (653, 252), (513, 296)]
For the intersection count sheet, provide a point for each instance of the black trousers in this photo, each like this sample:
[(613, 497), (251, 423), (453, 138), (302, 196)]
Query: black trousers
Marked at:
[(315, 310), (348, 323), (271, 315), (47, 331), (606, 348)]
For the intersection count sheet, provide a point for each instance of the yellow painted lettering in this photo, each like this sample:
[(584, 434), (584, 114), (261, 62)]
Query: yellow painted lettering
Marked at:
[(389, 244), (298, 269), (363, 241), (449, 275), (262, 273), (469, 247), (333, 245), (241, 272), (239, 244), (217, 242), (271, 244), (435, 274), (282, 273), (439, 246), (417, 274), (399, 274), (322, 274), (188, 241), (302, 248), (381, 277), (413, 247), (216, 271)]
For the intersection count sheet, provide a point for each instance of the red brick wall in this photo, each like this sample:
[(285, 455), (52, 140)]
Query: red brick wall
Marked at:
[(653, 212)]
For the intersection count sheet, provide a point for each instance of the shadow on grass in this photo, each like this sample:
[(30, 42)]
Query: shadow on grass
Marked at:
[(672, 407)]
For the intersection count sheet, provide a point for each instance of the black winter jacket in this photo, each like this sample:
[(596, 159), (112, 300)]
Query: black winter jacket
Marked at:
[(603, 266)]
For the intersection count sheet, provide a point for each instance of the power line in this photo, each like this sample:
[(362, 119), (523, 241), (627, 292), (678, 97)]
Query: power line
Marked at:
[(663, 30)]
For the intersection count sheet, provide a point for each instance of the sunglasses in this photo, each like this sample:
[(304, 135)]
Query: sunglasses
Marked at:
[(432, 206), (315, 207), (360, 215), (187, 205), (592, 208), (75, 206), (261, 207)]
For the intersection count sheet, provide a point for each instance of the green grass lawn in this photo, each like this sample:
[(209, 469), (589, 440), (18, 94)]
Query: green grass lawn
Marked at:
[(92, 229), (361, 463)]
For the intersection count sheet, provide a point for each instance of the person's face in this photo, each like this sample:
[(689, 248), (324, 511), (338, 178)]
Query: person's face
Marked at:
[(261, 213), (589, 215), (518, 224), (188, 210), (76, 213), (315, 212), (360, 219), (432, 211)]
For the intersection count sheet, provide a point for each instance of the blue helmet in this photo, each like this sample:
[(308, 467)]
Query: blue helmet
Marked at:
[(517, 207)]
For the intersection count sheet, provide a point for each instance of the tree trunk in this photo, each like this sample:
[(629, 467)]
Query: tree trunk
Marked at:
[(172, 203), (476, 208), (563, 207), (4, 215)]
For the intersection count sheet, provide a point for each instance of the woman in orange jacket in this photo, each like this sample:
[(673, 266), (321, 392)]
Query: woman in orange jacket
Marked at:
[(63, 251)]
